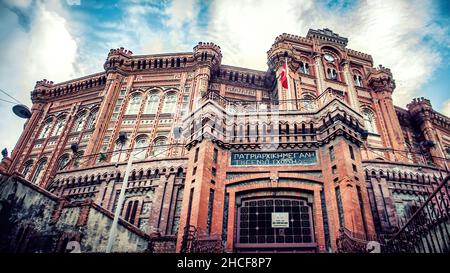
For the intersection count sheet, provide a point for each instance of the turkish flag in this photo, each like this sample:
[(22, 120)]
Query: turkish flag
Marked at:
[(283, 76)]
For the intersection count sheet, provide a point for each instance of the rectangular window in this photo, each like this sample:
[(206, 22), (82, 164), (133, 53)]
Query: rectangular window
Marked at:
[(213, 182), (325, 220), (331, 150), (354, 168), (215, 154), (361, 207), (352, 154), (196, 155), (334, 169), (176, 218), (194, 171), (191, 197), (340, 208), (214, 171), (210, 210)]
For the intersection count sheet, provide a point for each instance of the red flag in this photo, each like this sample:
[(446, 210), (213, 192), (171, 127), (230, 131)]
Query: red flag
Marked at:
[(283, 76)]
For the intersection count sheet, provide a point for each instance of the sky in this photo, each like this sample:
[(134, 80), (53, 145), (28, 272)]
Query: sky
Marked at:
[(66, 39)]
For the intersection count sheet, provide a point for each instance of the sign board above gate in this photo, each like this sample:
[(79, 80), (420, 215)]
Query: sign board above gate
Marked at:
[(280, 219), (273, 158)]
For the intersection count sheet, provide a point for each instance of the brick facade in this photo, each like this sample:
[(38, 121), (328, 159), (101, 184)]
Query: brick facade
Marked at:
[(187, 114)]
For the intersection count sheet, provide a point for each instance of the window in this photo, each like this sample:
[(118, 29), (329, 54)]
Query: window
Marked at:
[(194, 171), (210, 210), (39, 171), (91, 119), (369, 121), (176, 217), (196, 154), (27, 167), (134, 104), (139, 150), (152, 104), (340, 207), (46, 129), (334, 169), (160, 147), (354, 168), (59, 126), (331, 150), (214, 171), (119, 152), (79, 122), (352, 154), (308, 102), (169, 103), (331, 74), (215, 155), (358, 80), (63, 160), (304, 68)]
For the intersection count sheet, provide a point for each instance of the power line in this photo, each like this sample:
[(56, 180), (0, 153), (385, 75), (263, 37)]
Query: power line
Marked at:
[(8, 101), (6, 93)]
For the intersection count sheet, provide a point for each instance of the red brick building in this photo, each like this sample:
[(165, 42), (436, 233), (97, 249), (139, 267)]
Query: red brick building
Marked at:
[(230, 153)]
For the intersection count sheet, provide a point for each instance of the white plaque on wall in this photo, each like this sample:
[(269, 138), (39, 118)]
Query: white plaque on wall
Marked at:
[(280, 219)]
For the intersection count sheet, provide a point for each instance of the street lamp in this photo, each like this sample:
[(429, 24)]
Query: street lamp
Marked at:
[(113, 231)]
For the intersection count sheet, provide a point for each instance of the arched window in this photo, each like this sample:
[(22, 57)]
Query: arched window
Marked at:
[(62, 162), (308, 102), (78, 157), (369, 121), (79, 122), (45, 131), (304, 68), (140, 150), (39, 171), (134, 104), (59, 126), (120, 152), (91, 119), (27, 167), (152, 104), (169, 103), (331, 73), (358, 80), (160, 147)]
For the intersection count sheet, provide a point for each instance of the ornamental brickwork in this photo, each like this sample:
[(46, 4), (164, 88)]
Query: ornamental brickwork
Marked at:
[(331, 152)]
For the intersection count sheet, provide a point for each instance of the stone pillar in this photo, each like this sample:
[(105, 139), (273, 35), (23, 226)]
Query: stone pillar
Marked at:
[(353, 94)]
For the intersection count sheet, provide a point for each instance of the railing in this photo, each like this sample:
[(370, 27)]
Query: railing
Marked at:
[(351, 242), (428, 229), (302, 105)]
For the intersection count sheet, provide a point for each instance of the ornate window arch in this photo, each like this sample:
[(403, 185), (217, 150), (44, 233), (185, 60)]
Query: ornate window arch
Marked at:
[(80, 121), (331, 72), (39, 171), (45, 131), (91, 119), (358, 78), (134, 104), (62, 162), (140, 147), (370, 121), (120, 152), (152, 103), (59, 126), (27, 167), (170, 101), (304, 67), (160, 147)]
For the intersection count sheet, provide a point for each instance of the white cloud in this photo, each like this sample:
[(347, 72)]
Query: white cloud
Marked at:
[(47, 50), (73, 2), (446, 108)]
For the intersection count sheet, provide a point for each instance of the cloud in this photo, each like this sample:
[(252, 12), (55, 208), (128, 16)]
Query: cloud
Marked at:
[(46, 50), (73, 2), (446, 108)]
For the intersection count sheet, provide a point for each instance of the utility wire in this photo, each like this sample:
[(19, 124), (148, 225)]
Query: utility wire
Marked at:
[(6, 93), (8, 101)]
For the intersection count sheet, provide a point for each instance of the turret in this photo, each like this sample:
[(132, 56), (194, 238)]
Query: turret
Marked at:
[(41, 90), (380, 79), (119, 58), (209, 54)]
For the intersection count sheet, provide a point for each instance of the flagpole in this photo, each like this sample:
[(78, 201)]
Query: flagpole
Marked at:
[(289, 86)]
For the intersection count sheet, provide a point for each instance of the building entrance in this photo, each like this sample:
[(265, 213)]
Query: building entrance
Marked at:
[(274, 224)]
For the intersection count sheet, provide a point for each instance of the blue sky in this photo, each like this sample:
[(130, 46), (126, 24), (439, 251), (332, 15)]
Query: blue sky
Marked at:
[(61, 40)]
